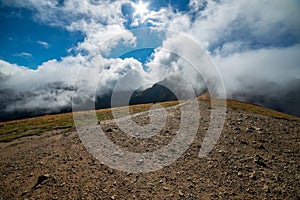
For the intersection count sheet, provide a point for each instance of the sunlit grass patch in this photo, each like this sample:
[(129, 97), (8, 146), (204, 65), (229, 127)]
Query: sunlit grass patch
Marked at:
[(246, 107), (38, 125), (251, 108)]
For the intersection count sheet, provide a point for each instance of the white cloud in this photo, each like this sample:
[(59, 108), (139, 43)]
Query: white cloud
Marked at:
[(23, 54), (252, 68), (196, 5), (101, 39), (254, 43), (251, 41), (160, 18), (66, 71), (8, 69), (232, 27), (181, 56), (98, 21), (50, 86), (266, 22), (50, 12), (43, 44)]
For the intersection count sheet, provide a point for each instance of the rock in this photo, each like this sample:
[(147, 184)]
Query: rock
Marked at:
[(266, 188), (236, 129), (180, 193), (166, 188), (240, 174), (30, 175), (109, 130), (239, 121), (23, 193), (261, 147), (250, 129), (258, 129), (41, 180), (260, 161), (221, 152), (244, 142), (253, 176)]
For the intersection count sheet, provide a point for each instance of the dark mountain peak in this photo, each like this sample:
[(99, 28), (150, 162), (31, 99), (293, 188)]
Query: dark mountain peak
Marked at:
[(170, 89)]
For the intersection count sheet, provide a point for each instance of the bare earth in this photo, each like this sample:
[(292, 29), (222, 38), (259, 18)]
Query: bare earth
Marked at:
[(256, 157)]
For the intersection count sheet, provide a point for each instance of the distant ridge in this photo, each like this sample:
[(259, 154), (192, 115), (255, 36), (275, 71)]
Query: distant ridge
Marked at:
[(162, 92)]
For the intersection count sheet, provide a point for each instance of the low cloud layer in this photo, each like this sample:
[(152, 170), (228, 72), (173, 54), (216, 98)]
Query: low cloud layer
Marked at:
[(254, 44), (268, 77), (51, 87)]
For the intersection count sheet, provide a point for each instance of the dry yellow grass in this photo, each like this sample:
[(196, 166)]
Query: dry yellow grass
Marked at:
[(248, 107), (35, 126), (251, 108)]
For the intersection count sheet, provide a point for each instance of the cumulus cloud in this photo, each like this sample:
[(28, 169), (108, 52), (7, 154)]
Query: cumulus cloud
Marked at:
[(181, 56), (52, 86), (97, 20), (261, 22), (268, 77), (254, 44), (63, 13), (101, 39), (277, 64)]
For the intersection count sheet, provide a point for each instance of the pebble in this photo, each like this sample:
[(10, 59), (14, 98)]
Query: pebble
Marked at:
[(250, 130), (266, 188), (166, 188), (252, 176), (180, 193), (236, 129)]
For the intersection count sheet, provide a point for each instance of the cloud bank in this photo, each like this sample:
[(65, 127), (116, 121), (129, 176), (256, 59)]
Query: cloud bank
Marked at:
[(255, 45)]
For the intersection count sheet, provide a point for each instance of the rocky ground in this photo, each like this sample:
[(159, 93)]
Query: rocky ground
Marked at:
[(256, 157)]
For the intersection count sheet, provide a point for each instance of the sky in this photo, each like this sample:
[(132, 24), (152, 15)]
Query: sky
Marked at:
[(50, 47)]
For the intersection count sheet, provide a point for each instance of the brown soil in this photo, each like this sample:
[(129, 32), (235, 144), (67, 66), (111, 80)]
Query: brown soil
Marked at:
[(256, 157)]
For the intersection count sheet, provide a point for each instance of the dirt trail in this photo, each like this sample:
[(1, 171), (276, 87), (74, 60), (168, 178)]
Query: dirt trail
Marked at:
[(256, 157)]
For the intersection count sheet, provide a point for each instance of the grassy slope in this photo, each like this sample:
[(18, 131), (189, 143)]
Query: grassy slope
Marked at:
[(35, 126), (250, 108)]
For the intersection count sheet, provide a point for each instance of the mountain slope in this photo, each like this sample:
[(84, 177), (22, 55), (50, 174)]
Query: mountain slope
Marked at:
[(256, 157)]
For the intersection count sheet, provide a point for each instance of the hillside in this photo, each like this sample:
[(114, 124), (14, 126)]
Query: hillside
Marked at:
[(286, 101), (256, 157)]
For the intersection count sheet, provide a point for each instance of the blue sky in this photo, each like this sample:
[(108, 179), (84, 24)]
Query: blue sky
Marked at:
[(28, 42)]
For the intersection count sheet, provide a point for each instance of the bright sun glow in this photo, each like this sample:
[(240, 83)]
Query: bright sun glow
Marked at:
[(140, 8)]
